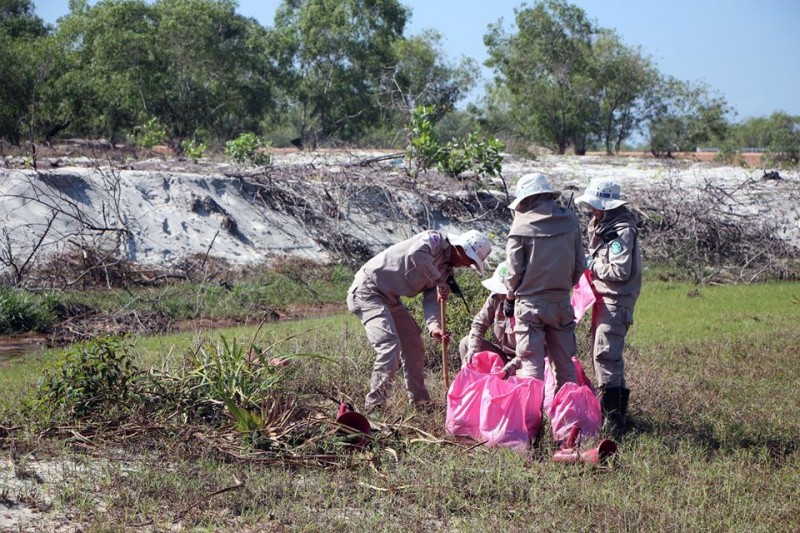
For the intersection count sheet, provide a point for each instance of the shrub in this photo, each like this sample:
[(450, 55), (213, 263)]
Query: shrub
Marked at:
[(249, 149), (150, 134), (86, 377), (192, 149)]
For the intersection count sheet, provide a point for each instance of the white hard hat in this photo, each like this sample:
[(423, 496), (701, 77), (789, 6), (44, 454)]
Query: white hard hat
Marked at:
[(475, 244), (602, 194), (496, 283), (531, 184)]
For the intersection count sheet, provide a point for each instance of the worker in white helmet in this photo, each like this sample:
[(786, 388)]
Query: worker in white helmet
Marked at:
[(420, 264)]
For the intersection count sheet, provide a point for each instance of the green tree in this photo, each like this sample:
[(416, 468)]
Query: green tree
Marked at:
[(27, 62), (332, 54), (422, 76), (112, 69), (685, 116), (622, 79), (214, 71), (545, 67)]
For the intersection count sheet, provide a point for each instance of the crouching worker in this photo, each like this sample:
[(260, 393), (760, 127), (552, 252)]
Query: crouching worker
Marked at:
[(495, 315), (616, 268), (420, 264)]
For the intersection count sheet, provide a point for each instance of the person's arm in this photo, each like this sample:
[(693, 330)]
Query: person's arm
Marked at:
[(580, 258), (481, 324), (515, 259), (617, 263)]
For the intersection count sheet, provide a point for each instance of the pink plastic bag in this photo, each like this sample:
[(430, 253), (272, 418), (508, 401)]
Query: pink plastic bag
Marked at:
[(576, 405), (583, 296), (511, 411), (550, 382), (484, 407)]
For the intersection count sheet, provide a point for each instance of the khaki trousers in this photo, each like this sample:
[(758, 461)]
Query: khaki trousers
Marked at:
[(396, 338), (610, 324), (545, 328)]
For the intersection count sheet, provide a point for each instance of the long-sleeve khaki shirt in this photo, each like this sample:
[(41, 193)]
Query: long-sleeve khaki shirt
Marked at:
[(617, 264), (491, 316), (545, 252), (408, 268)]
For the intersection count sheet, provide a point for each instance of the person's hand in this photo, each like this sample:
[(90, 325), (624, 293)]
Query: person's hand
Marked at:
[(439, 334), (442, 292), (508, 308)]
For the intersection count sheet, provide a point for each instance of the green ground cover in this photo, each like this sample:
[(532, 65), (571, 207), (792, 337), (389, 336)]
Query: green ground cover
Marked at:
[(713, 447)]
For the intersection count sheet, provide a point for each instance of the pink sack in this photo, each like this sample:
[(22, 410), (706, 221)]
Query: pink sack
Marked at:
[(576, 405), (583, 296), (511, 411), (484, 407), (550, 382), (465, 394)]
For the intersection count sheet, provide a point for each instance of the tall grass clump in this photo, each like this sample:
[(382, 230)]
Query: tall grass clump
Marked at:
[(21, 312)]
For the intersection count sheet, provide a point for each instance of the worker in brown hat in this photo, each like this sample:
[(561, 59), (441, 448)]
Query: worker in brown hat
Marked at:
[(545, 257), (616, 267), (420, 264)]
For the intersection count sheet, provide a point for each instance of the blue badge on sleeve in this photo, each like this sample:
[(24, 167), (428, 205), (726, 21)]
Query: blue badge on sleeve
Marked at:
[(616, 248), (436, 240)]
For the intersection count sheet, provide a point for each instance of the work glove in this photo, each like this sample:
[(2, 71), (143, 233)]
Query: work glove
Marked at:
[(508, 308)]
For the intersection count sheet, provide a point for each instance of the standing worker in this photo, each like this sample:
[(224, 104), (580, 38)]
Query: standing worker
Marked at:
[(492, 315), (545, 257), (616, 267), (420, 264)]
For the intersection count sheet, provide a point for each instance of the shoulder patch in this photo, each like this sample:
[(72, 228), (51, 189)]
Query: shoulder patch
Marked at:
[(436, 240), (616, 248)]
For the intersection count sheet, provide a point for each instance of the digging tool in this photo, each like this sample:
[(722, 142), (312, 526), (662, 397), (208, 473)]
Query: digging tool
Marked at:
[(442, 306)]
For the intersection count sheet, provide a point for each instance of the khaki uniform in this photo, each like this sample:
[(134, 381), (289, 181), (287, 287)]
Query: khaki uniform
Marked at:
[(414, 266), (545, 257), (490, 316), (616, 279)]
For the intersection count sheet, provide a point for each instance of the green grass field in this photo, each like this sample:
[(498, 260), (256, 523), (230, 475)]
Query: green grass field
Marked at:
[(714, 376)]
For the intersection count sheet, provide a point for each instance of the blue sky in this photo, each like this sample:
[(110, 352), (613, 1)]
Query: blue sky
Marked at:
[(746, 50)]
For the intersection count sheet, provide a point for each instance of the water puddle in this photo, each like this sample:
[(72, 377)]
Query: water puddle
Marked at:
[(13, 347)]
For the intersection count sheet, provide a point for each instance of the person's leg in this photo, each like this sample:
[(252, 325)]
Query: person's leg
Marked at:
[(609, 343), (530, 334), (611, 327), (560, 340), (412, 354), (484, 345), (383, 337)]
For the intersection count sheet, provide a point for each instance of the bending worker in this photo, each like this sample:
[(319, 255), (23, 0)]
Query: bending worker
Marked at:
[(420, 264), (616, 267), (492, 315), (545, 259)]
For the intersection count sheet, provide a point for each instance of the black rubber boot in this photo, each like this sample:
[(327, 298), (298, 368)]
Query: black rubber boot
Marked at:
[(613, 414), (625, 394)]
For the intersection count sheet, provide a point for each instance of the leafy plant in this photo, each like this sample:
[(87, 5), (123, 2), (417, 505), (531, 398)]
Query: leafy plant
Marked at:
[(86, 377), (193, 149), (424, 147), (481, 156), (150, 133), (249, 149), (19, 312)]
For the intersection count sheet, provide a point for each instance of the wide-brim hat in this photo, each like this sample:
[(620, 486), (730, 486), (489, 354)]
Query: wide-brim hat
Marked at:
[(476, 246), (603, 194), (496, 283), (531, 185)]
